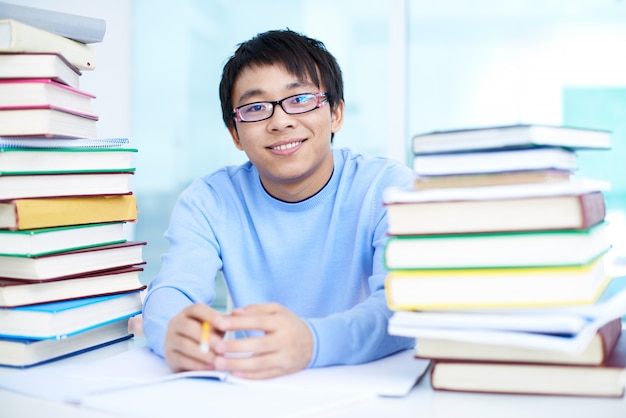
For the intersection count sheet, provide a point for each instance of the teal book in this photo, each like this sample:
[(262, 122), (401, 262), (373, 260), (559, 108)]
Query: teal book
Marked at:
[(15, 161), (57, 320)]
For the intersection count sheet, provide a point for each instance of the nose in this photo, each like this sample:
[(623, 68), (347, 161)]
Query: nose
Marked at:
[(280, 119)]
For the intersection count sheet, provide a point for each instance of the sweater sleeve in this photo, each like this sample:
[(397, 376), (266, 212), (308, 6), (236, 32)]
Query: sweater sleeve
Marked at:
[(358, 335), (188, 269)]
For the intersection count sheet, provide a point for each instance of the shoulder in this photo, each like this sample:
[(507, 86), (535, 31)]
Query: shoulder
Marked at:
[(380, 170), (217, 186)]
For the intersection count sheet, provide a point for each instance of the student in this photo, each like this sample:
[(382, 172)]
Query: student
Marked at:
[(298, 230)]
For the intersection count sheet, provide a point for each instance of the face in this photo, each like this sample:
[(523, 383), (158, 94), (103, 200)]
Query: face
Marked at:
[(291, 152)]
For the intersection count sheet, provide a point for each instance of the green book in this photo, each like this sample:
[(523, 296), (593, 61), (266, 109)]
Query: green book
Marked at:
[(43, 241), (488, 250)]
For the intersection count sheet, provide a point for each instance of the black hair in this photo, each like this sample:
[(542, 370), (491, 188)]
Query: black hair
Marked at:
[(304, 57)]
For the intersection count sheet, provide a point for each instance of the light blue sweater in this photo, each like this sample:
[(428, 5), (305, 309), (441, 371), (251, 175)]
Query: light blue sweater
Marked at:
[(322, 257)]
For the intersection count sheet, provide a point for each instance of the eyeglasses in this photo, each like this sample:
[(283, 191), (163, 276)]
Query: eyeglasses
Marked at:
[(293, 105)]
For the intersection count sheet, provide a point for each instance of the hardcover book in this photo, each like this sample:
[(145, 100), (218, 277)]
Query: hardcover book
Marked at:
[(25, 352), (42, 241), (606, 380), (47, 121), (507, 178), (64, 184), (549, 212), (58, 320), (16, 36), (84, 29), (46, 212), (514, 287), (29, 292), (518, 135), (511, 249), (25, 93), (496, 161), (65, 160), (596, 353), (72, 263), (39, 65), (566, 328)]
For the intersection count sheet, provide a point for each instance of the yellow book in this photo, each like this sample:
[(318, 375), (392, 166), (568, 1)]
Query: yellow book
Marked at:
[(514, 287), (60, 211)]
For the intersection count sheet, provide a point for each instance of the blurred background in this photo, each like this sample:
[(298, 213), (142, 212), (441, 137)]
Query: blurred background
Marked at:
[(410, 66)]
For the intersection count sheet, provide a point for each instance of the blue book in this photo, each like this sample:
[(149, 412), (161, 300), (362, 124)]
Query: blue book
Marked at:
[(45, 142), (27, 352), (85, 29), (59, 320)]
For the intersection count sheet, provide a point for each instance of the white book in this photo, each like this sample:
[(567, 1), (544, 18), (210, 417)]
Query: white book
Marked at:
[(495, 161), (519, 135), (19, 37)]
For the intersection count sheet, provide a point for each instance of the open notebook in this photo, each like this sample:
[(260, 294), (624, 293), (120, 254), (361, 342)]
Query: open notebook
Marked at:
[(140, 380)]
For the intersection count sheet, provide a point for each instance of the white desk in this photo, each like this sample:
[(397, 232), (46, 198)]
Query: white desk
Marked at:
[(422, 402)]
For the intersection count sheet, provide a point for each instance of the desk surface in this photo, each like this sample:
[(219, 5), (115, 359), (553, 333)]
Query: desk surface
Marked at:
[(422, 402)]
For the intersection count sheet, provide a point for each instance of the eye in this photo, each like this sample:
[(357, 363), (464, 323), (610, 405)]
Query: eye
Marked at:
[(301, 99), (255, 108)]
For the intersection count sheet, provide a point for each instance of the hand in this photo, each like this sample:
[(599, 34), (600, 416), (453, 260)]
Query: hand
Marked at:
[(286, 347), (183, 337)]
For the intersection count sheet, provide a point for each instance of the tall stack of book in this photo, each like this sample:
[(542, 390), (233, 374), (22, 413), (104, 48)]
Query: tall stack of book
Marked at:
[(500, 246), (69, 278)]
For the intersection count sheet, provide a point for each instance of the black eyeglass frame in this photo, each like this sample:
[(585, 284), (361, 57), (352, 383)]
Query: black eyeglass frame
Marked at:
[(237, 111)]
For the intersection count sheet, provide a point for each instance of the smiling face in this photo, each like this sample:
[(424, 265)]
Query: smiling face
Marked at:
[(291, 152)]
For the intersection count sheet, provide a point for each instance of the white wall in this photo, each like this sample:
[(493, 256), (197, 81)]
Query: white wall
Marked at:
[(111, 80), (486, 62)]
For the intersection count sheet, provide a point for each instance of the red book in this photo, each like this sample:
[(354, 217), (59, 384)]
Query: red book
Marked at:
[(25, 93), (607, 380), (15, 292), (497, 214), (596, 353), (72, 263)]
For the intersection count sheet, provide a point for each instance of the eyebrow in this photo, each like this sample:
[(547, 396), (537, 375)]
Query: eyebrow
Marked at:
[(257, 92)]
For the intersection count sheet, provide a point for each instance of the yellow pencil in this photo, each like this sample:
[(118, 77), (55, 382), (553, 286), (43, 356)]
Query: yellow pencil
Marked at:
[(204, 340)]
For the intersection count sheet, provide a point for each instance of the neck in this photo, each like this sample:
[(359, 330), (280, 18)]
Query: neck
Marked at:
[(297, 190)]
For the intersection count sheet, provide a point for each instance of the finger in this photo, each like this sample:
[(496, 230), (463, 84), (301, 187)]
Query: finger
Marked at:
[(257, 345), (260, 308), (248, 364), (203, 313), (183, 344), (248, 322), (179, 361), (259, 374)]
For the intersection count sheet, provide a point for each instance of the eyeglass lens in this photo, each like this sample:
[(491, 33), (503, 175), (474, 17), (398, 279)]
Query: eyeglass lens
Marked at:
[(299, 103)]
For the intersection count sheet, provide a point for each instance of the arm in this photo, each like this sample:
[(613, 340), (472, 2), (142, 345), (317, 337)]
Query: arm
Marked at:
[(188, 271)]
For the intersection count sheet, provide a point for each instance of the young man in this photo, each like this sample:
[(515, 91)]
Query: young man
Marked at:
[(298, 230)]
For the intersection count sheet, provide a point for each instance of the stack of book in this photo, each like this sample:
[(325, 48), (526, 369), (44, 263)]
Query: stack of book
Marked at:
[(69, 277), (497, 238)]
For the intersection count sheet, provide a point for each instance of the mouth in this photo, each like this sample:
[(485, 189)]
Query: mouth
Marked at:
[(286, 146)]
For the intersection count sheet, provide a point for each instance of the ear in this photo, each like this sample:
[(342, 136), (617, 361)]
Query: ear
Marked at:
[(336, 117), (235, 136)]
